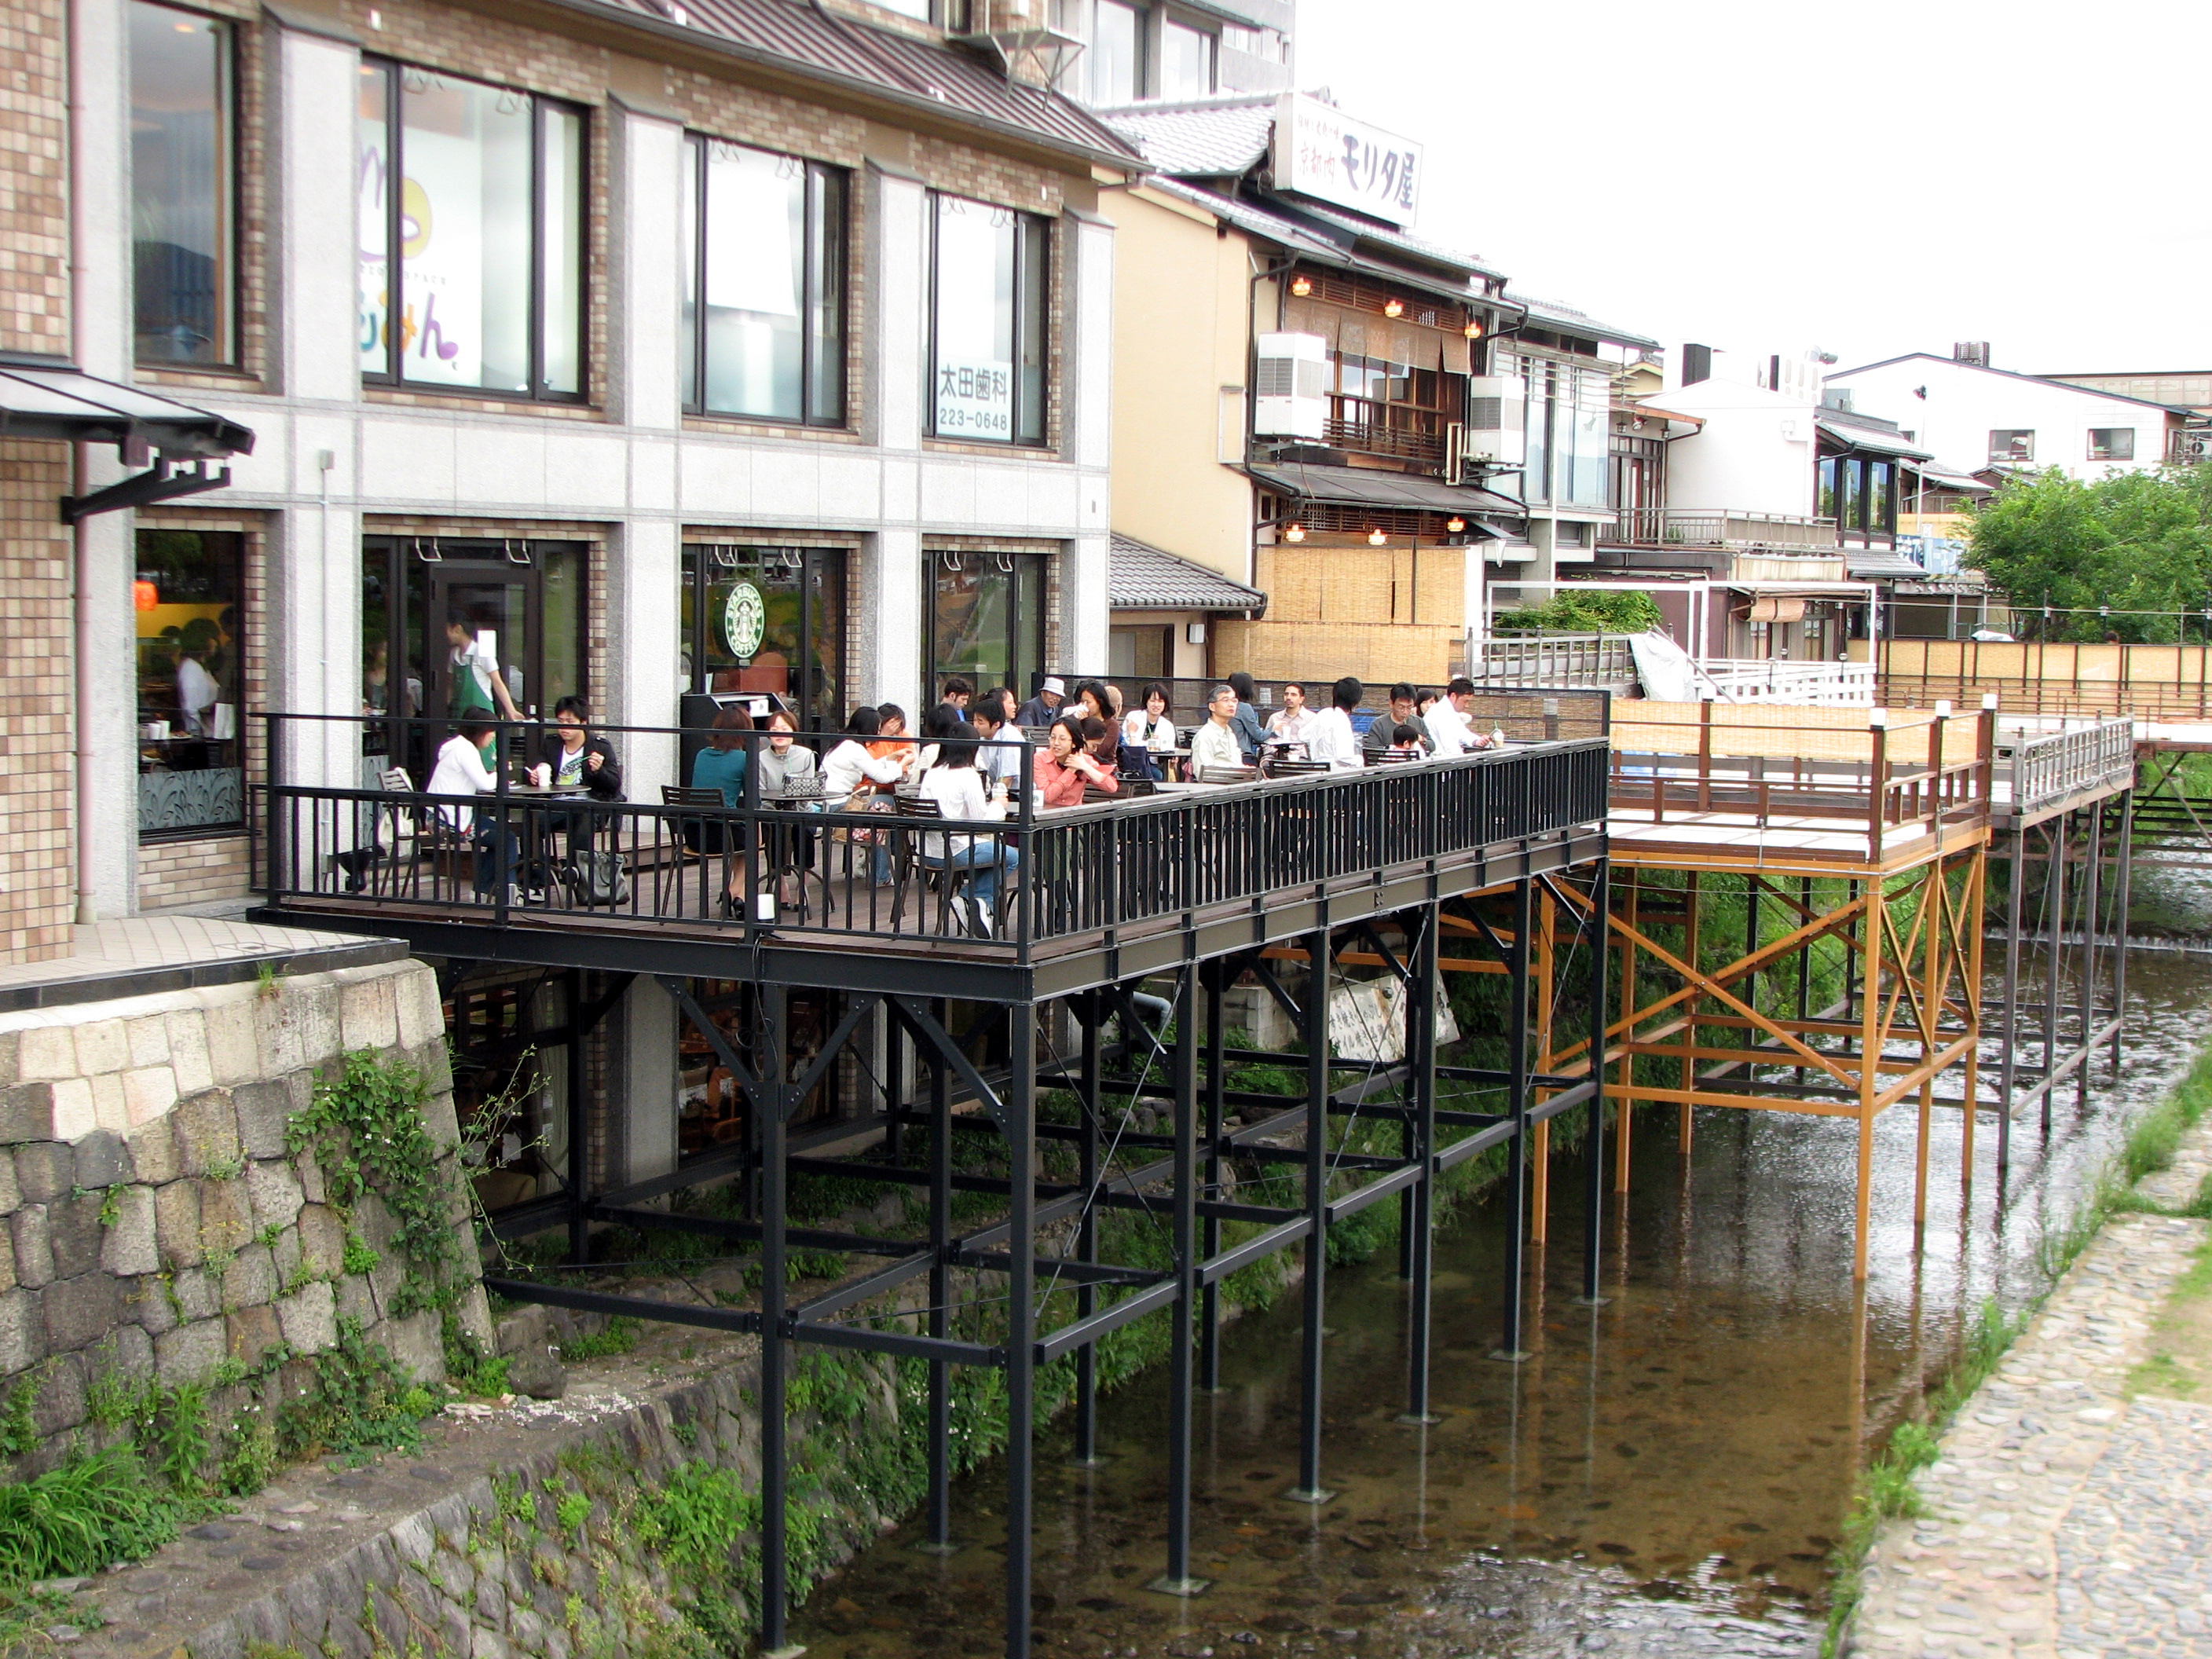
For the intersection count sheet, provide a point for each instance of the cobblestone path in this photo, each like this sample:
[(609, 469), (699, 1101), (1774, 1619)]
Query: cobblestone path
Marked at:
[(2065, 1520)]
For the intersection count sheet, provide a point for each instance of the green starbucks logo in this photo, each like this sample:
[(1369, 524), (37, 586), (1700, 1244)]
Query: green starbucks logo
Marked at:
[(744, 620)]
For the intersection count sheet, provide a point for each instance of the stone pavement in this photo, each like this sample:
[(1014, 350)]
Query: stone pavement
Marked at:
[(2065, 1520)]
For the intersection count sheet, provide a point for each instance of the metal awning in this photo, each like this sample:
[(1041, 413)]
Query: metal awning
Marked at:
[(1361, 486), (54, 401), (59, 401), (1873, 441)]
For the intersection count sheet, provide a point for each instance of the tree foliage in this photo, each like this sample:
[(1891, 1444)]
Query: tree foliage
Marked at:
[(2127, 542), (1572, 610)]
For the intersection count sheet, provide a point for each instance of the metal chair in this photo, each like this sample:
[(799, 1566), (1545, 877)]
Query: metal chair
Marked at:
[(1391, 757), (1293, 769), (946, 879), (1226, 773), (691, 843)]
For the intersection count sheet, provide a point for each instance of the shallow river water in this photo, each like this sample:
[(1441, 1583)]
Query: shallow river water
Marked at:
[(1665, 1473)]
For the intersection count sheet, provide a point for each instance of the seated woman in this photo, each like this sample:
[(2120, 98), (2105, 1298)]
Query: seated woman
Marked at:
[(958, 788), (1148, 732), (461, 770), (787, 767), (722, 765), (1068, 766), (852, 775), (1093, 703)]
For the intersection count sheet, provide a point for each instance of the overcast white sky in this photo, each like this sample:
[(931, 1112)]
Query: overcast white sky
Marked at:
[(1873, 177)]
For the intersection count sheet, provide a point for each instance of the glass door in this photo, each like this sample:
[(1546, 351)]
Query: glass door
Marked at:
[(454, 627)]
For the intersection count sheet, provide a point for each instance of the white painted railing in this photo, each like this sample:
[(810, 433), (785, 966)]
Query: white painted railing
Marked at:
[(1833, 684)]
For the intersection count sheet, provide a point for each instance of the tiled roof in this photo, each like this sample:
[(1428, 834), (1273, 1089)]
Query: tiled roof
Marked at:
[(1579, 322), (820, 44), (1212, 138), (1361, 486), (1142, 577)]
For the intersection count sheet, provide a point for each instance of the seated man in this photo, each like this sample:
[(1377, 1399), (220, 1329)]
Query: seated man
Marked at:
[(1383, 732), (1043, 708), (574, 759), (1214, 745)]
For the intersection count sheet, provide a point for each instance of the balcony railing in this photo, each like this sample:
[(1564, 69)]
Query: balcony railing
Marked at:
[(2040, 769), (1668, 526), (1553, 660), (1392, 429), (1755, 680), (807, 870)]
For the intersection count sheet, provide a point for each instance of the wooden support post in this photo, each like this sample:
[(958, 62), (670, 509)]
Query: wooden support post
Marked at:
[(1690, 941), (1625, 1109), (1871, 922)]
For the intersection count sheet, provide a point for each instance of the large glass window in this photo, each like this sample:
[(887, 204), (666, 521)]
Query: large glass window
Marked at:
[(190, 665), (480, 190), (772, 619), (764, 249), (1114, 58), (987, 360), (987, 618), (182, 185), (2012, 444), (1186, 62)]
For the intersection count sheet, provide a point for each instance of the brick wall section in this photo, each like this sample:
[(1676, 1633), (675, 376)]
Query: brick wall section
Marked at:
[(33, 178), (38, 780)]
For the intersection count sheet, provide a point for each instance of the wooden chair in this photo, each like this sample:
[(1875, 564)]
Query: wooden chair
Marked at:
[(1225, 775)]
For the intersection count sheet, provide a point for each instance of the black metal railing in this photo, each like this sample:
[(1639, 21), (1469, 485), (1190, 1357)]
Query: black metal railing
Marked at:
[(865, 870)]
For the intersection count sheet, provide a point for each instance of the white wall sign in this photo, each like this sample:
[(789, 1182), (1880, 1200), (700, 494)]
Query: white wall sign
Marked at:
[(1322, 152)]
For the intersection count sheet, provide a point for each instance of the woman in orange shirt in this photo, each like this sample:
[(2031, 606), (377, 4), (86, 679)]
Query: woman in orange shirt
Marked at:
[(1067, 766)]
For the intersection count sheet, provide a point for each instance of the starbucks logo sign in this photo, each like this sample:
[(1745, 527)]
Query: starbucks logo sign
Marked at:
[(744, 620)]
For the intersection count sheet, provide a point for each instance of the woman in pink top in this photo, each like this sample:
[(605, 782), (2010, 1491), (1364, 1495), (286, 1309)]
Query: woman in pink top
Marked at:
[(1065, 766)]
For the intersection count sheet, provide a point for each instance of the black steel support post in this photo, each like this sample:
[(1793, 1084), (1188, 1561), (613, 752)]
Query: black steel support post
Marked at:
[(940, 1450), (1090, 1011), (1594, 1141), (1517, 1089), (2122, 893), (1421, 1124), (1315, 1009), (2054, 899), (1019, 1100), (2091, 872), (1177, 1580), (1804, 960), (1209, 1356), (2009, 1022), (769, 1115)]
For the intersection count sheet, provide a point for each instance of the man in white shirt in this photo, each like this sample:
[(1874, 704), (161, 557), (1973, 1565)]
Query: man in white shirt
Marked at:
[(1214, 743), (1448, 720), (1329, 736)]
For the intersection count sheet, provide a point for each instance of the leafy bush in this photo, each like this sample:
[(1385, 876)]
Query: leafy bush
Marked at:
[(1569, 611)]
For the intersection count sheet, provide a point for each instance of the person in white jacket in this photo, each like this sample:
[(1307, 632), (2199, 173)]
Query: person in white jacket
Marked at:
[(461, 771), (1329, 736), (958, 788), (845, 768)]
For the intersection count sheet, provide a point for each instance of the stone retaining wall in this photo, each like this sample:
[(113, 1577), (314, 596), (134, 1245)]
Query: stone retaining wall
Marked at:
[(156, 1225)]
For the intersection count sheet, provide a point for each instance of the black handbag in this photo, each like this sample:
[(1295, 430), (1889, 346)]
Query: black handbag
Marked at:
[(599, 877)]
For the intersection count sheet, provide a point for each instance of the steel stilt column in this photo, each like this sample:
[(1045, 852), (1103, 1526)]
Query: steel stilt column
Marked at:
[(940, 1450), (1209, 1313), (1019, 1098), (1087, 1240), (1421, 1052), (768, 1113), (2093, 870), (1517, 1087), (580, 1141), (1177, 1580), (1594, 1141), (2054, 898), (1316, 1010), (2008, 1027), (2122, 877)]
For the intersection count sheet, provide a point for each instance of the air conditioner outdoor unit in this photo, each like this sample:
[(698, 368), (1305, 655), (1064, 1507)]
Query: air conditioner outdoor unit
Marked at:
[(1497, 421), (1292, 391), (2197, 446)]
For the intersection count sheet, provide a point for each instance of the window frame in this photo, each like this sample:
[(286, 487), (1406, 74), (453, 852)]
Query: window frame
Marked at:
[(1041, 230), (232, 176), (395, 260), (235, 551), (2006, 453), (2106, 454), (696, 152)]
